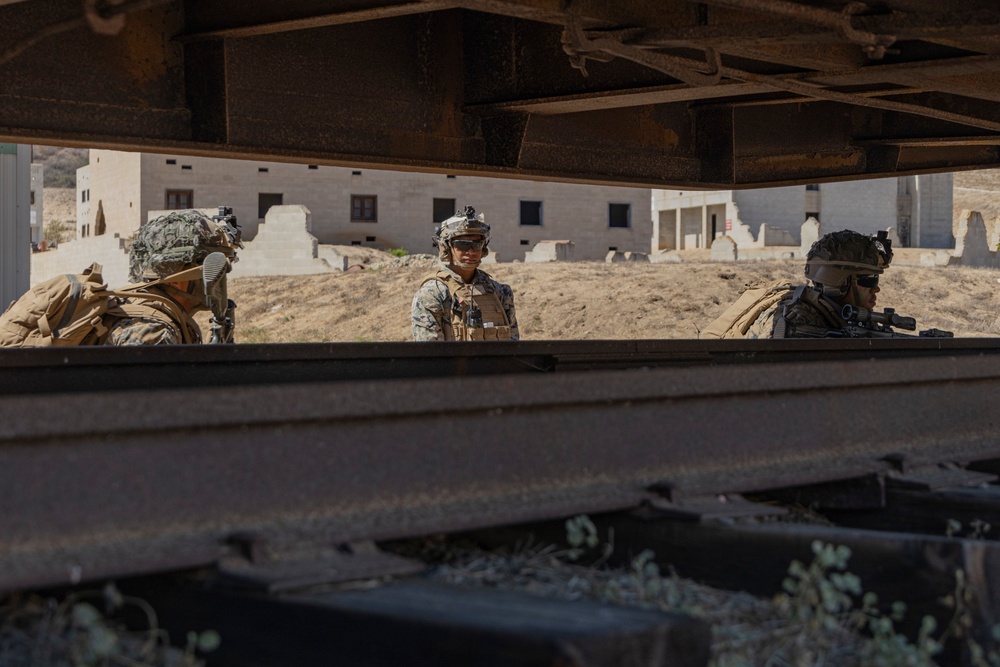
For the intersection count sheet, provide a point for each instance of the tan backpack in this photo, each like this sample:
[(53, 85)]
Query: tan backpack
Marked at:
[(69, 310), (737, 319)]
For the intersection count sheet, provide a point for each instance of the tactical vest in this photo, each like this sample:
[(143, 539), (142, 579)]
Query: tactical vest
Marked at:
[(827, 310), (492, 324), (740, 316)]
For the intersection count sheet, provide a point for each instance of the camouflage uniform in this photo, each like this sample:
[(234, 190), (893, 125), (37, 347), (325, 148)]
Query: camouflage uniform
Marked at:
[(432, 306), (162, 248), (833, 262), (142, 331), (431, 315), (795, 313), (157, 328)]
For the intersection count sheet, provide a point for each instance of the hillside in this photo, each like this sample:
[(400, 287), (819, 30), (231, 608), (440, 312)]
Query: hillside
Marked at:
[(60, 164)]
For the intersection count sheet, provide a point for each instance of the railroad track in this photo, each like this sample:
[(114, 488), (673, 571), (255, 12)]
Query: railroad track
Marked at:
[(282, 467)]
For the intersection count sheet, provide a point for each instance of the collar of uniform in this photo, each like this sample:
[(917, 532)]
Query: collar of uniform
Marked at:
[(478, 278)]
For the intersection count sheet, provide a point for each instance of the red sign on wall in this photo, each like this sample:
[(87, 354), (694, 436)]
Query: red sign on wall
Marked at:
[(729, 224)]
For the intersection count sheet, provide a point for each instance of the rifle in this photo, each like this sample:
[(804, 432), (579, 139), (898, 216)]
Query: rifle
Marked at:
[(864, 323), (223, 322)]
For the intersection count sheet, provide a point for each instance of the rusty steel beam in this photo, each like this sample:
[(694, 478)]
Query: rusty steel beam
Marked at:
[(321, 20), (488, 88), (121, 482)]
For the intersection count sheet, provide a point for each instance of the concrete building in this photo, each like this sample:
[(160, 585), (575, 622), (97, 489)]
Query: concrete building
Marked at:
[(919, 207), (37, 202), (383, 209)]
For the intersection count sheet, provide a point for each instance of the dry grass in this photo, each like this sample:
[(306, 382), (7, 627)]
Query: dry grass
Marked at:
[(589, 300)]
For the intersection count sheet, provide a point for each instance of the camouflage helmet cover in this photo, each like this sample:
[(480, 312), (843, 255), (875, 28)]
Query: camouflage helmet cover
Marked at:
[(178, 240), (463, 223), (833, 259)]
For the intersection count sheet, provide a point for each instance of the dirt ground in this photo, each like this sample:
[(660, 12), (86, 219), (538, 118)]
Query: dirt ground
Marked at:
[(592, 300)]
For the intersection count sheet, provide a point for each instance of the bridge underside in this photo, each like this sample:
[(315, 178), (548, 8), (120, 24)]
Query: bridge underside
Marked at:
[(716, 94)]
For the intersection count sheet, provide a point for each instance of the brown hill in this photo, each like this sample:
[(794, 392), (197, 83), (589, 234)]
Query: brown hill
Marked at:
[(588, 300)]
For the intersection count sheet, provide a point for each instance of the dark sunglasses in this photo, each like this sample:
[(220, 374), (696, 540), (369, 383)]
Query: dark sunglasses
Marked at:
[(468, 244), (868, 281)]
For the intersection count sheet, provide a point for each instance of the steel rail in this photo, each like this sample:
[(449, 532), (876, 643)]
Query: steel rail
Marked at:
[(43, 371), (110, 483)]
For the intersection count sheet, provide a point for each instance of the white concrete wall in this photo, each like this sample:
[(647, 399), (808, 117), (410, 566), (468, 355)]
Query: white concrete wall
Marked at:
[(935, 196), (778, 208), (74, 256), (82, 207), (114, 183), (405, 202), (863, 206), (283, 246)]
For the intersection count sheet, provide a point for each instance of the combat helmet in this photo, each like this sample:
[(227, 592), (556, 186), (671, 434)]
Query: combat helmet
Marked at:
[(465, 222), (182, 239), (835, 258)]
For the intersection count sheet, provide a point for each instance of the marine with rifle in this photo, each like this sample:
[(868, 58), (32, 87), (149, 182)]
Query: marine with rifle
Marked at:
[(844, 269), (460, 301)]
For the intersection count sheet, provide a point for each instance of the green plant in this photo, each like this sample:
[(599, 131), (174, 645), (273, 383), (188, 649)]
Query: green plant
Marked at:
[(57, 231), (74, 632), (820, 599), (398, 252), (580, 532)]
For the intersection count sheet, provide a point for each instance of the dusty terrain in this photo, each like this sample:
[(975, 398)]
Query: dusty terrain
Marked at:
[(591, 300), (594, 300)]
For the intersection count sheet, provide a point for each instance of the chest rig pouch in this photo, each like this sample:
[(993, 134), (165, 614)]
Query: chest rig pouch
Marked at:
[(476, 312)]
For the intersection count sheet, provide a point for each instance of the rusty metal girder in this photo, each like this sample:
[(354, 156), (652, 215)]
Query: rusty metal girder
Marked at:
[(121, 482), (499, 86)]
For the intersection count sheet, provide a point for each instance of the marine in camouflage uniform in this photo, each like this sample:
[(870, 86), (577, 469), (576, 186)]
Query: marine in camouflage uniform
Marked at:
[(162, 249), (844, 269), (460, 301)]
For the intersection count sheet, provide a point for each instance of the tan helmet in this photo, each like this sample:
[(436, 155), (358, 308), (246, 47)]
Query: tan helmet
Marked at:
[(463, 223), (835, 258)]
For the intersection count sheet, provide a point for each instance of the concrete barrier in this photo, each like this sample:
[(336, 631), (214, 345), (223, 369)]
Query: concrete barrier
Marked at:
[(550, 251)]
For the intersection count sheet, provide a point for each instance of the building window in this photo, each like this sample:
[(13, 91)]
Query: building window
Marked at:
[(265, 200), (450, 176), (32, 197), (355, 173), (443, 209), (179, 199), (355, 242), (262, 170), (613, 248), (369, 239), (171, 161), (186, 167), (531, 213), (314, 166), (524, 241), (620, 215), (812, 214), (364, 208), (814, 187)]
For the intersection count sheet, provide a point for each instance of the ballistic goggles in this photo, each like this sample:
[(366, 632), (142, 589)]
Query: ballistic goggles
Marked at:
[(867, 281), (468, 244)]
